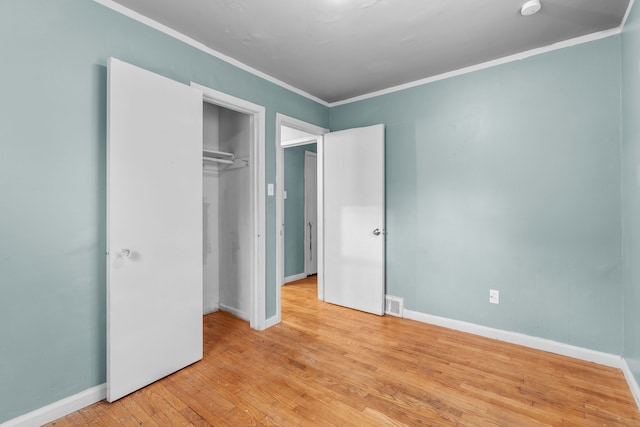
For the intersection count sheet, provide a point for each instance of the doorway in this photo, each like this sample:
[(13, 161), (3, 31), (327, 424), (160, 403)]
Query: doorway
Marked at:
[(226, 213), (240, 182), (296, 134), (300, 209)]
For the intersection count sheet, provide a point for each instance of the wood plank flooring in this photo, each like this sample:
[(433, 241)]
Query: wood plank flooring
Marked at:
[(326, 365)]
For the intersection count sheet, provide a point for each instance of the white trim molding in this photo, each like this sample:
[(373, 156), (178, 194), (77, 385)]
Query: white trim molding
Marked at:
[(489, 64), (606, 359), (626, 15), (543, 344), (238, 313), (201, 46), (283, 120), (293, 278), (273, 320), (257, 114), (211, 308), (59, 409), (631, 380), (515, 57)]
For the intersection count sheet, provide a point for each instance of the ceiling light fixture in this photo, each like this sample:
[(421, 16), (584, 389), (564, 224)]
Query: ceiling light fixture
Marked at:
[(530, 8)]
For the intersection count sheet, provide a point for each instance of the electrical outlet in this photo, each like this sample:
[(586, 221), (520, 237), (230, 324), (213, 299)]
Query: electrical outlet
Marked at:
[(494, 296)]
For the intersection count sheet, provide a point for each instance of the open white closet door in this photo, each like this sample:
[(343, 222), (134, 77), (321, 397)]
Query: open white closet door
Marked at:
[(354, 243), (154, 228)]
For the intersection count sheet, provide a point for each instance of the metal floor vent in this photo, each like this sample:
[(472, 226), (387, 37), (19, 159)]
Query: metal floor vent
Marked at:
[(393, 305)]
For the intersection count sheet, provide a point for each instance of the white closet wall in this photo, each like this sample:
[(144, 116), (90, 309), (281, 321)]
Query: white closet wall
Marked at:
[(211, 252), (226, 204), (235, 254)]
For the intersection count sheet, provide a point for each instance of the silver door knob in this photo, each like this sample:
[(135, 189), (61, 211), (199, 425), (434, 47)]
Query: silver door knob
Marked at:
[(125, 253), (376, 232)]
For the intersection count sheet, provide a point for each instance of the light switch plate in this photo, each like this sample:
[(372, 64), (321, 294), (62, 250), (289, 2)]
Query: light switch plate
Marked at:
[(494, 296)]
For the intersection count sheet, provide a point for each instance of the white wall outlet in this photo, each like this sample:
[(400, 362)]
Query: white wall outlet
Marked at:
[(494, 296), (270, 189), (285, 194)]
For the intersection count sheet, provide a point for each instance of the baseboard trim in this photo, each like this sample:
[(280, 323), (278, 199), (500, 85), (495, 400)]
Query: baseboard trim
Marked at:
[(631, 380), (211, 309), (272, 321), (293, 278), (239, 313), (59, 409), (70, 404), (543, 344)]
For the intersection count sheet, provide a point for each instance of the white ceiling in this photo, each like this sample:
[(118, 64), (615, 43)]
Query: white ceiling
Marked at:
[(339, 49)]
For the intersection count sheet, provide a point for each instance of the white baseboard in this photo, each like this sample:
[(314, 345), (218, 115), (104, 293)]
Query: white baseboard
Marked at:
[(211, 308), (293, 278), (588, 355), (95, 394), (239, 313), (272, 321), (59, 409), (631, 380)]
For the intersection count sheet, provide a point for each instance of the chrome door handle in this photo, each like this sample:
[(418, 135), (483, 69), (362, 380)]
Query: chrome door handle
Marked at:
[(377, 232), (125, 253)]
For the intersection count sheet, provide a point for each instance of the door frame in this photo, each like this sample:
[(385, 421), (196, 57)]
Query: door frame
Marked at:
[(283, 120), (257, 117), (307, 243)]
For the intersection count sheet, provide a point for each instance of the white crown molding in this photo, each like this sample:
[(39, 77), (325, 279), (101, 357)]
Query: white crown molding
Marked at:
[(500, 61), (543, 344), (198, 45), (626, 15), (59, 409)]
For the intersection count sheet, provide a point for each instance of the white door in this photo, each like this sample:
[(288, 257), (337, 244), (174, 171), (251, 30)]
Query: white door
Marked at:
[(354, 243), (154, 235), (310, 213)]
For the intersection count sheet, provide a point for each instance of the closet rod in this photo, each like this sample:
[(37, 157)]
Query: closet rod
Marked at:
[(213, 159), (215, 153)]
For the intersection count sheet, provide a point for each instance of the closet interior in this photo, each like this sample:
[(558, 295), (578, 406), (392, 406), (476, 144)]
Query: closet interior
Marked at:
[(226, 211)]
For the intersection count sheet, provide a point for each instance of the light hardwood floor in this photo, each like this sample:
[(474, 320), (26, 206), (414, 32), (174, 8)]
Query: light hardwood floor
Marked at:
[(327, 365)]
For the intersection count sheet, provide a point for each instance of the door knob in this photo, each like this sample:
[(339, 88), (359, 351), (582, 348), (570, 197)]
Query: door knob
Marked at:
[(376, 232), (125, 253)]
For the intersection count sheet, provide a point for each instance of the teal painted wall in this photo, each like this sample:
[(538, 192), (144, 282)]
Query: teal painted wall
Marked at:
[(508, 178), (631, 187), (52, 181), (294, 208)]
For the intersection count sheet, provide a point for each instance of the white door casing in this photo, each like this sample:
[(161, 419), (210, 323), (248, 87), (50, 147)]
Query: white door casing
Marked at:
[(310, 213), (354, 218), (154, 228), (257, 114)]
